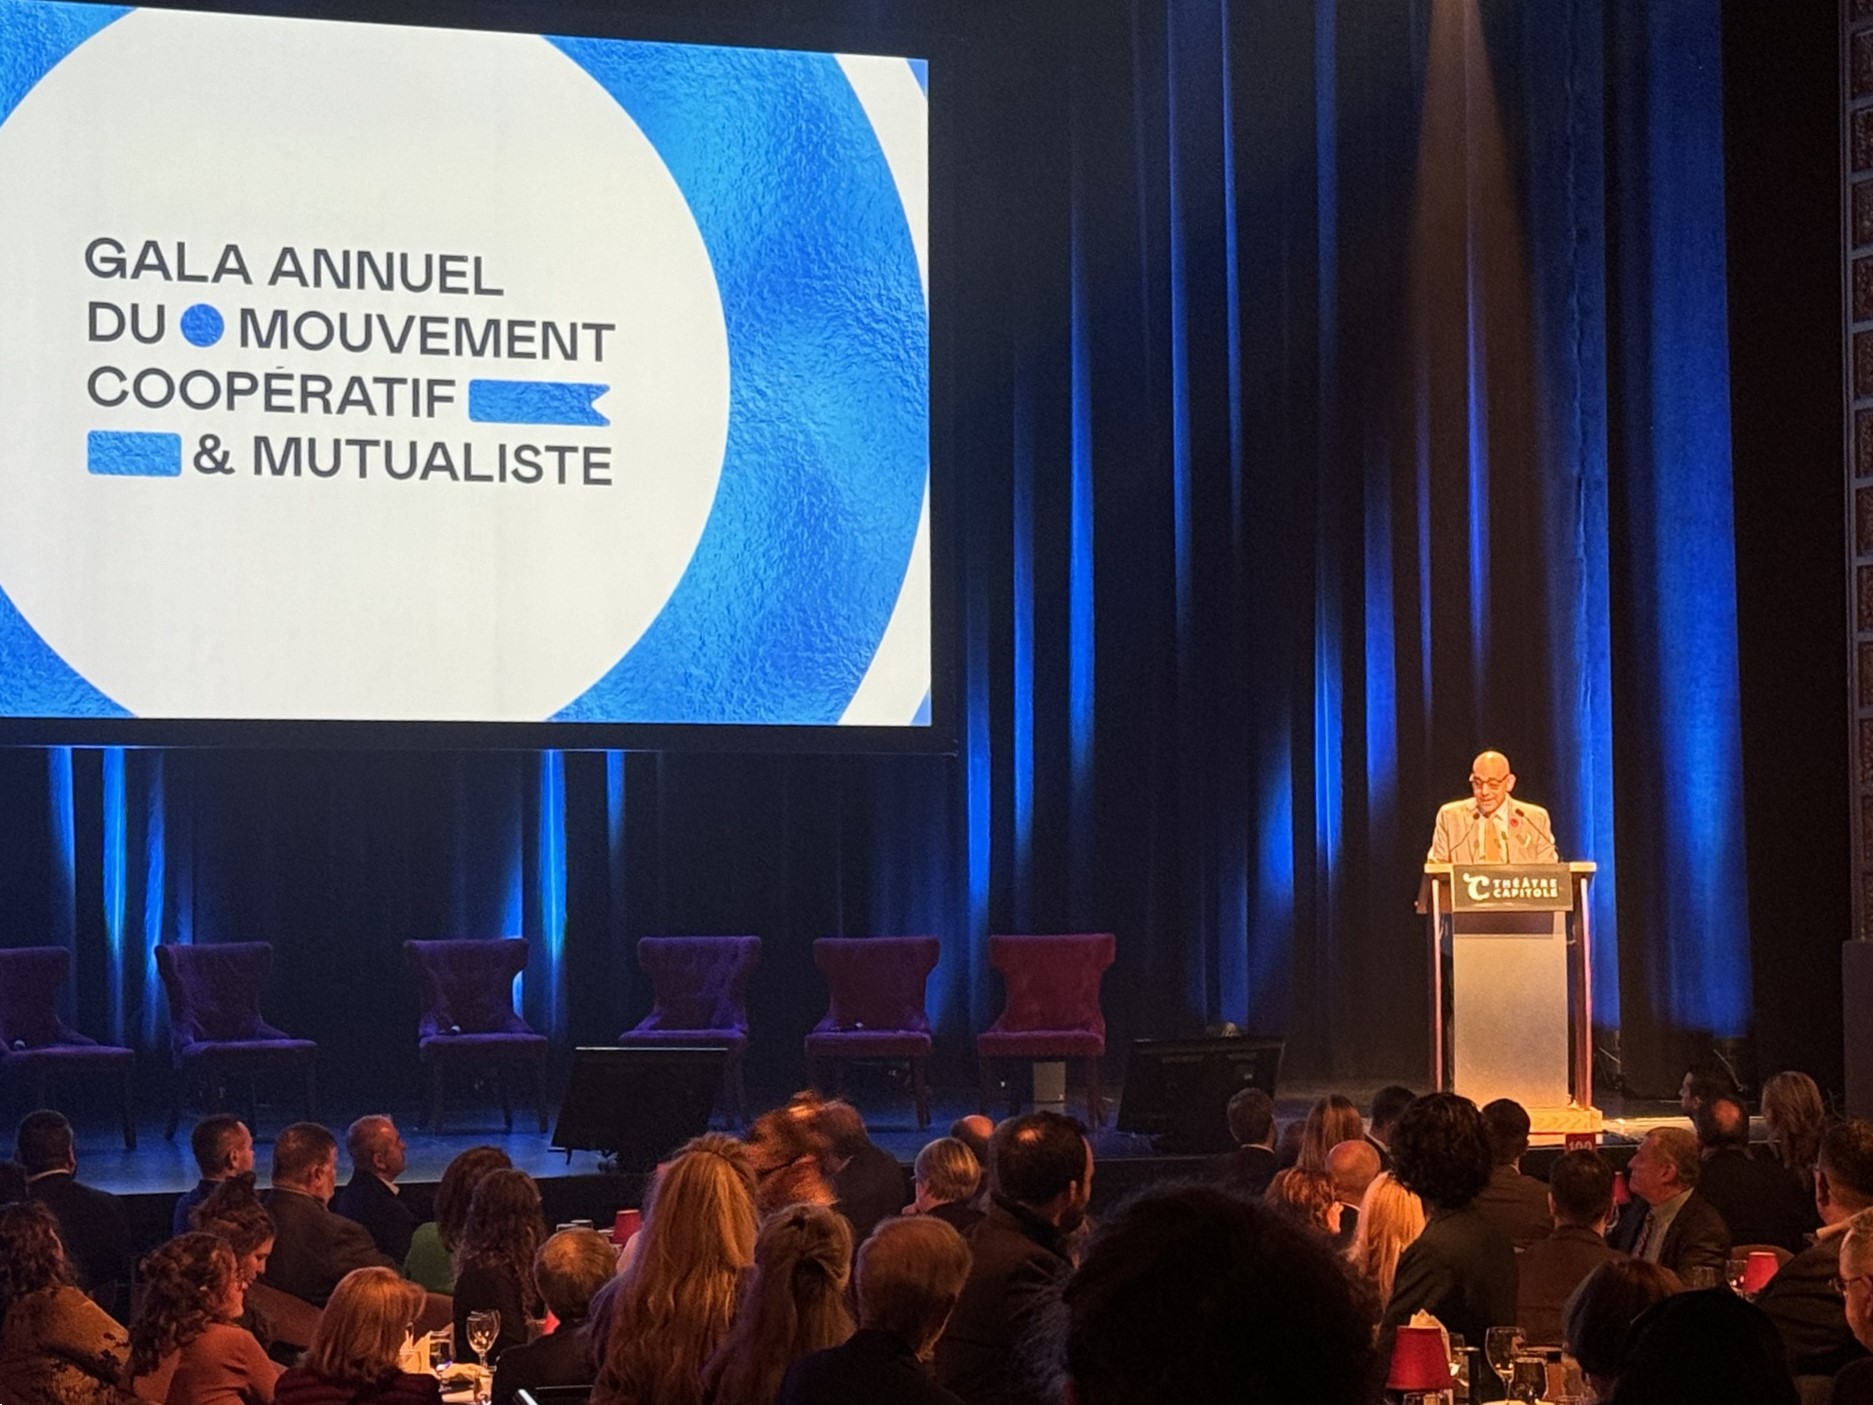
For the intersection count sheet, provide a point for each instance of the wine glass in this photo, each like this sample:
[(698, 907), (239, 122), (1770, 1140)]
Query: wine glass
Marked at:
[(1528, 1378), (1500, 1345), (1736, 1273), (441, 1352), (483, 1327)]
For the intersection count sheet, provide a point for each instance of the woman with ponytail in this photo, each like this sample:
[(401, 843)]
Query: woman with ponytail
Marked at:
[(794, 1303)]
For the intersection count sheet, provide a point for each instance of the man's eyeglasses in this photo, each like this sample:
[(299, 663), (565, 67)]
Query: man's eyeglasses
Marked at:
[(1840, 1285), (1488, 783)]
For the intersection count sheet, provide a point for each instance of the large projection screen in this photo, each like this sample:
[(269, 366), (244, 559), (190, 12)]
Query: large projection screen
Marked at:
[(403, 377)]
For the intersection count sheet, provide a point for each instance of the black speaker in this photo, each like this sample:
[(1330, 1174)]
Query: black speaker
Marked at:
[(637, 1105), (1178, 1090)]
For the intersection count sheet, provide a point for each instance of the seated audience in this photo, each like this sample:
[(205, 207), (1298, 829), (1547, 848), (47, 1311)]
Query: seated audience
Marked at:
[(93, 1226), (792, 1306), (866, 1178), (909, 1276), (1387, 1104), (1854, 1384), (223, 1148), (946, 1178), (1194, 1296), (1794, 1117), (1251, 1166), (975, 1132), (1759, 1201), (12, 1183), (1596, 1324), (494, 1261), (1288, 1144), (1514, 1203), (1705, 1079), (185, 1348), (353, 1359), (312, 1247), (1041, 1171), (1677, 1228), (57, 1347), (673, 1305), (280, 1322), (1330, 1121), (1307, 1198), (1801, 1300), (1461, 1270), (370, 1196), (569, 1270), (1390, 1220), (1351, 1166), (1708, 1348), (1580, 1200), (790, 1156), (431, 1260)]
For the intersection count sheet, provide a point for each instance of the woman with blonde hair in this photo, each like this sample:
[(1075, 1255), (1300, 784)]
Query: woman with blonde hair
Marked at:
[(794, 1303), (185, 1348), (1795, 1117), (676, 1302), (353, 1359), (1390, 1218), (1330, 1121)]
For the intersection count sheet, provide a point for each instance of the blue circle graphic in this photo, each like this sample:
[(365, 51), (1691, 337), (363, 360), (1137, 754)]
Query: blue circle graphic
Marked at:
[(201, 325)]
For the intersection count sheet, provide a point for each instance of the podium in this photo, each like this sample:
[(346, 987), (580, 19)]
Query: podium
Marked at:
[(1511, 989)]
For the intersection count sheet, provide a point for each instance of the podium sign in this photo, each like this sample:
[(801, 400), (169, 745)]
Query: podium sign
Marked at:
[(1511, 887)]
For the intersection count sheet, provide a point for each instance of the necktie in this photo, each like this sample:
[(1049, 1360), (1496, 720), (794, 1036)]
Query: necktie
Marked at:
[(1492, 841), (1642, 1248)]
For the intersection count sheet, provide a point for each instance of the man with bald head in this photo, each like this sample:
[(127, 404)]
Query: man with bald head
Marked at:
[(1352, 1166), (1758, 1200), (1492, 826), (370, 1198)]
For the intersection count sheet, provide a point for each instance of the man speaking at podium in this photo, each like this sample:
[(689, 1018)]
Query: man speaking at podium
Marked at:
[(1491, 826)]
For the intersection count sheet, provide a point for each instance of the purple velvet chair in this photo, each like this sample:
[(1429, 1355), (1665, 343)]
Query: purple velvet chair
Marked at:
[(36, 1045), (469, 1019), (876, 1009), (215, 1026), (1052, 1009), (701, 990)]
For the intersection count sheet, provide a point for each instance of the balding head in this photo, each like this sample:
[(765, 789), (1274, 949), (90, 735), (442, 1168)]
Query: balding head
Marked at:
[(376, 1146), (1722, 1124), (1491, 781), (1353, 1166)]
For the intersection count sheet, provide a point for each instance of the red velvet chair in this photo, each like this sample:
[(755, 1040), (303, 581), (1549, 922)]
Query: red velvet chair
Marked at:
[(35, 1044), (468, 1018), (876, 1010), (701, 988), (1052, 1009)]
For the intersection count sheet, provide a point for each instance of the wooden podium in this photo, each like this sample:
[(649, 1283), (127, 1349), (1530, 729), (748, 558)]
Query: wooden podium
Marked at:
[(1511, 990)]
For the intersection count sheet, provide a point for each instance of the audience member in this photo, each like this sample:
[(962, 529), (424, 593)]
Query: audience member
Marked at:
[(1390, 1219), (1387, 1104), (909, 1275), (672, 1307), (185, 1348), (223, 1148), (946, 1179), (1800, 1299), (1596, 1324), (1194, 1296), (867, 1179), (370, 1196), (1705, 1079), (1041, 1170), (494, 1261), (1854, 1384), (977, 1133), (431, 1260), (1351, 1166), (12, 1183), (57, 1347), (1678, 1229), (281, 1323), (569, 1270), (1461, 1270), (1288, 1144), (1330, 1121), (93, 1227), (1759, 1201), (792, 1306), (312, 1248), (1514, 1203), (1794, 1118), (1708, 1348), (1307, 1198), (1251, 1166), (1580, 1201), (354, 1355), (790, 1155)]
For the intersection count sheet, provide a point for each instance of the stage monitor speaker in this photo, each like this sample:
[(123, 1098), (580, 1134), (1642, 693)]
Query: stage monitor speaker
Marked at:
[(1178, 1090), (638, 1105)]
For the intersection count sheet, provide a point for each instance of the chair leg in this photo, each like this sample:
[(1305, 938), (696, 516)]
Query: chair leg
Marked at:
[(175, 1103), (129, 1109), (539, 1089), (920, 1089), (40, 1086), (1095, 1095), (1014, 1098), (435, 1099), (737, 1090), (312, 1090), (983, 1063), (507, 1097), (253, 1102)]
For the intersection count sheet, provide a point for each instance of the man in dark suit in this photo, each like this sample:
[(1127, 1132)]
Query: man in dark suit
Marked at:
[(1251, 1166), (1809, 1315), (1758, 1200), (1042, 1171), (312, 1247), (867, 1179), (1678, 1229), (93, 1226), (224, 1149), (569, 1269), (1514, 1203), (1387, 1104), (370, 1198), (1580, 1197), (908, 1277), (1854, 1383)]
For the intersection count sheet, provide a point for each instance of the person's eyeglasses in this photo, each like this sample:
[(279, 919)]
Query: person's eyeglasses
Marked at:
[(1840, 1285), (1485, 783)]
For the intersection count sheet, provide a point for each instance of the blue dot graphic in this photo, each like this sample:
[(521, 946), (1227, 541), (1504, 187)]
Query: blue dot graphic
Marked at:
[(202, 325)]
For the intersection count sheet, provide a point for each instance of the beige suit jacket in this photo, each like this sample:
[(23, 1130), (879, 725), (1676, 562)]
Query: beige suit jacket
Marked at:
[(1457, 836)]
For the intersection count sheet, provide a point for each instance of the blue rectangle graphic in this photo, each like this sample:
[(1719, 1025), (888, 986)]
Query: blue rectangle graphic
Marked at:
[(133, 453), (534, 402)]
